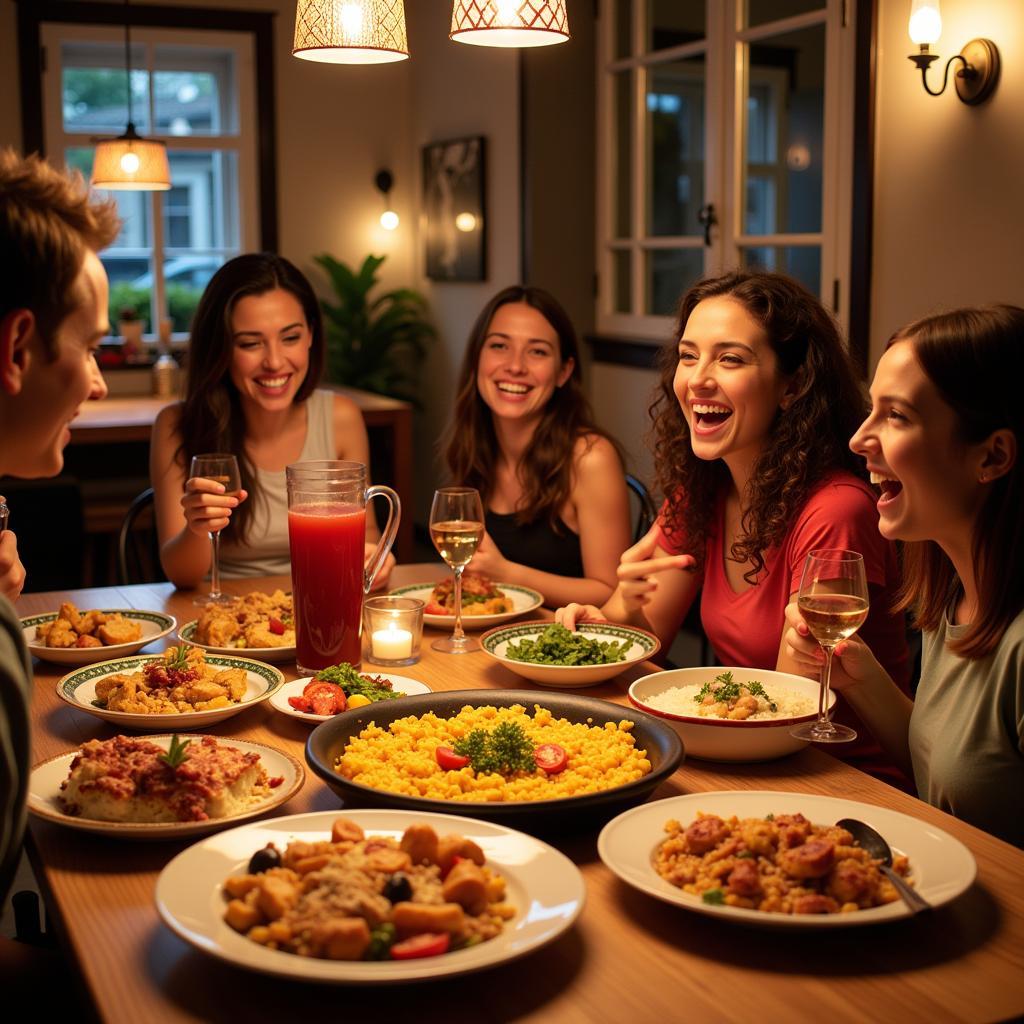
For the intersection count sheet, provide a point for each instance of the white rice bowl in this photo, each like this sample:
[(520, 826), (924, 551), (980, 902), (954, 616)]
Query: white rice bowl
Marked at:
[(761, 737)]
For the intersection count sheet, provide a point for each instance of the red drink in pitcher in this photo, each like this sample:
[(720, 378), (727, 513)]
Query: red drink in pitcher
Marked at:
[(327, 551)]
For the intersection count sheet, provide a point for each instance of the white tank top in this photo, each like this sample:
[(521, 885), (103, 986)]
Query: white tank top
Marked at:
[(265, 552)]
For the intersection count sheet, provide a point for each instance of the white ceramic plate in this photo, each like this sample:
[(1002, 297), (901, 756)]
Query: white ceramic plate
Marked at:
[(279, 701), (642, 645), (187, 635), (545, 887), (155, 626), (523, 600), (46, 777), (78, 689), (941, 867)]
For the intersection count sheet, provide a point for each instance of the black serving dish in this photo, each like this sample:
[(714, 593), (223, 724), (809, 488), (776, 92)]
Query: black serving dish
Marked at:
[(663, 746)]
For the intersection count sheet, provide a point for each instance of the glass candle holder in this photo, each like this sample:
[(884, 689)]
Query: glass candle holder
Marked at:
[(392, 630)]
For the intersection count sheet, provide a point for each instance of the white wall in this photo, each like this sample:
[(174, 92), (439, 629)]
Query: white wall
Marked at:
[(949, 213)]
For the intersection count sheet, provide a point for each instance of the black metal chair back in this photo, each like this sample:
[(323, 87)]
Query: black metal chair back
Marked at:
[(646, 510), (138, 550)]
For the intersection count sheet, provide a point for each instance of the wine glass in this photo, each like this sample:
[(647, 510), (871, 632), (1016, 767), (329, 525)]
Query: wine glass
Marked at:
[(456, 528), (833, 600), (222, 468)]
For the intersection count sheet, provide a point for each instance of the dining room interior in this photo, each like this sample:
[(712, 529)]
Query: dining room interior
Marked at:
[(411, 177)]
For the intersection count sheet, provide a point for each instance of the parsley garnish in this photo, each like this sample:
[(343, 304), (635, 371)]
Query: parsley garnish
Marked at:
[(714, 896), (178, 657), (504, 751), (724, 688), (345, 676), (175, 755)]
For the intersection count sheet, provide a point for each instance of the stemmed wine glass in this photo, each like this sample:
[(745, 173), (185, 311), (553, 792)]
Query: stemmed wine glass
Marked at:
[(833, 600), (222, 468), (456, 528)]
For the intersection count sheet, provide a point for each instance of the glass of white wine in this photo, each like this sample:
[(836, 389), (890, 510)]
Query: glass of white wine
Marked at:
[(833, 600), (222, 468), (456, 528)]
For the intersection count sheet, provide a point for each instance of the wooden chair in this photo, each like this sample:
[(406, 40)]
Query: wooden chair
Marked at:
[(138, 550)]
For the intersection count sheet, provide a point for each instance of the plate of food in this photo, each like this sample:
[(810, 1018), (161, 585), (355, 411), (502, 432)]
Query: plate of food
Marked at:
[(185, 688), (548, 653), (544, 761), (777, 860), (319, 698), (507, 895), (73, 637), (484, 603), (162, 787), (257, 625)]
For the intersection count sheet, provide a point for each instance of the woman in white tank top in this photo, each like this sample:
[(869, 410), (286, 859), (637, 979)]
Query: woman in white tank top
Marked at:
[(255, 358)]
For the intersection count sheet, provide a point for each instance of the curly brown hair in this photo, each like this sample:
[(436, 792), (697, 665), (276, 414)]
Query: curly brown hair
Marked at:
[(805, 445), (470, 444)]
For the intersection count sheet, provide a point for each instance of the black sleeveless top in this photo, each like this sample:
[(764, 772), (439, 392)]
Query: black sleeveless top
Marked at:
[(536, 544)]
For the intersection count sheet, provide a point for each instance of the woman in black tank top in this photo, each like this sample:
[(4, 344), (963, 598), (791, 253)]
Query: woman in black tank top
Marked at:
[(523, 434)]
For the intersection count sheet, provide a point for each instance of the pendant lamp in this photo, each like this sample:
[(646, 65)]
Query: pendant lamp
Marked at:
[(517, 23), (131, 162), (350, 31)]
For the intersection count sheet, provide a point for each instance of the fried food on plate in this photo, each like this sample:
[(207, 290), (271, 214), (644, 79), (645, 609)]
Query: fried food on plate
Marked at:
[(479, 597), (73, 628), (255, 620)]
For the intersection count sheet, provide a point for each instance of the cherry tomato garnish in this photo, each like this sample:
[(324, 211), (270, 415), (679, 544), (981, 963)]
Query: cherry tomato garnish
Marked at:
[(449, 760), (551, 757), (427, 944), (276, 626), (300, 704)]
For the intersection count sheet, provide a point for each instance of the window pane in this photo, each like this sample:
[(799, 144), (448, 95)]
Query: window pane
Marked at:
[(622, 285), (669, 272), (200, 214), (623, 187), (675, 132), (800, 261), (192, 90), (94, 88), (622, 46), (674, 22), (761, 11), (784, 126)]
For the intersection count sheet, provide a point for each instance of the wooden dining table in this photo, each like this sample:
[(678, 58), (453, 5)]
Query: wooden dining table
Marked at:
[(628, 958)]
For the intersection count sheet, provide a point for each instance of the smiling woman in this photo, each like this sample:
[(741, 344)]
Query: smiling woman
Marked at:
[(255, 359)]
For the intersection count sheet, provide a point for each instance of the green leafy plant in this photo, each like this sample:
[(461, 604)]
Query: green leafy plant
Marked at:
[(376, 344)]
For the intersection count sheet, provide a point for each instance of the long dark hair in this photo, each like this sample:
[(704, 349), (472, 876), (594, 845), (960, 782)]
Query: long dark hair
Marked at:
[(975, 359), (211, 415), (805, 444), (470, 443)]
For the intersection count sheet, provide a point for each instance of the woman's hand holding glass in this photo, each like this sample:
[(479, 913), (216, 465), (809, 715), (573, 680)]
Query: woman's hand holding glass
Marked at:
[(208, 505), (216, 478), (852, 663), (488, 560)]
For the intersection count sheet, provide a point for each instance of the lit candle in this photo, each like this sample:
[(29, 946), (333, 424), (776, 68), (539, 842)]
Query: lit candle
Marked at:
[(391, 644)]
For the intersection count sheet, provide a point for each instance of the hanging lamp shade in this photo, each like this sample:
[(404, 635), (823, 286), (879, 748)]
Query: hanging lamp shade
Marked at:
[(509, 22), (350, 31), (131, 163)]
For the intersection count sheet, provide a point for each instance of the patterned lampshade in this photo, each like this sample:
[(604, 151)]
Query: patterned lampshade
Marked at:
[(509, 22), (131, 163), (350, 31)]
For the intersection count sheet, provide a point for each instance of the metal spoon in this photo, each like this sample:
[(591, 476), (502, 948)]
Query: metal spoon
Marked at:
[(879, 849)]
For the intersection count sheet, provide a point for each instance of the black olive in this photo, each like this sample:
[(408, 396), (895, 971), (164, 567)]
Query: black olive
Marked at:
[(398, 888), (264, 860)]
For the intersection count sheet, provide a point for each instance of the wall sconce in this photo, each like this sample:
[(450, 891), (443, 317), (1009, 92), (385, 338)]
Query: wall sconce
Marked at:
[(388, 219), (976, 80)]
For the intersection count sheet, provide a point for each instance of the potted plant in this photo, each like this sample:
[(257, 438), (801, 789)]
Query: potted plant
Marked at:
[(129, 326), (376, 344)]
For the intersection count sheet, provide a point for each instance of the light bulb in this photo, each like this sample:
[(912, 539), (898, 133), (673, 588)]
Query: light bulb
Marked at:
[(465, 222), (351, 20), (389, 220), (129, 163), (508, 13), (925, 22)]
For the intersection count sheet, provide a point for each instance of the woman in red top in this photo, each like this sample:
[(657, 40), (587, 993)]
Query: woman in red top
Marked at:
[(758, 402)]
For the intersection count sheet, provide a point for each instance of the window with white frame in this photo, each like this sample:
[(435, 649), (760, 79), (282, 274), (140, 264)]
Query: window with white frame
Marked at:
[(193, 91), (725, 133)]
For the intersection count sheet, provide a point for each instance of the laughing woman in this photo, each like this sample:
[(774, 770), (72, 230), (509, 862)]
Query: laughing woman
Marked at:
[(758, 401), (552, 483), (943, 439), (255, 358)]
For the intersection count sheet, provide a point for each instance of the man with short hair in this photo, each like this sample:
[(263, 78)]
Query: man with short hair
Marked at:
[(53, 313)]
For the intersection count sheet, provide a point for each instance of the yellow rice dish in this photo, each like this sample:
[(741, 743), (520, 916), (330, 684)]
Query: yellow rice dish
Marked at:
[(402, 757)]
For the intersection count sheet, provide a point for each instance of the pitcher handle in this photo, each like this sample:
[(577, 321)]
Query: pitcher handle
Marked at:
[(387, 538)]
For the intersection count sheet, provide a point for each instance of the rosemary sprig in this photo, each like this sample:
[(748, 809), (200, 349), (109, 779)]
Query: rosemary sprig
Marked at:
[(175, 755)]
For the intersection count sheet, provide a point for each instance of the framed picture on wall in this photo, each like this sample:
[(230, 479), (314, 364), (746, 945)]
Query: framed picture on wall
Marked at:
[(453, 196)]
